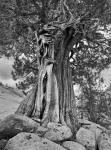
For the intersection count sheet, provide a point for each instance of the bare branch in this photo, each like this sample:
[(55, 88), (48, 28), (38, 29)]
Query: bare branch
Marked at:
[(66, 6)]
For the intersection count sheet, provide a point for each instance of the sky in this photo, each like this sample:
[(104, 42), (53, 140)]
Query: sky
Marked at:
[(107, 75), (6, 77), (5, 71)]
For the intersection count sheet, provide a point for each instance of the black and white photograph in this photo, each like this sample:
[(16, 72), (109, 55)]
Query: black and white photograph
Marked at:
[(55, 74)]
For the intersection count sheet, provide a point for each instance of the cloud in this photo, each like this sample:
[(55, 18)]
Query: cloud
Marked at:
[(9, 82), (77, 90), (5, 71), (106, 73), (5, 68)]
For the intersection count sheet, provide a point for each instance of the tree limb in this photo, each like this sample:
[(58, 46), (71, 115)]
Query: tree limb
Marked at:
[(36, 5)]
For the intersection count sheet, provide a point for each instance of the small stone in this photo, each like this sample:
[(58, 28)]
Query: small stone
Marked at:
[(104, 142), (58, 132), (41, 131), (86, 138), (70, 145)]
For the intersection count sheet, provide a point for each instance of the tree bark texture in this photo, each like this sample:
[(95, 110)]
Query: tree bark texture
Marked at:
[(52, 99)]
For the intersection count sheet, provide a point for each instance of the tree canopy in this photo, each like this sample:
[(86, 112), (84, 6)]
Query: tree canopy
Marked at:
[(89, 19)]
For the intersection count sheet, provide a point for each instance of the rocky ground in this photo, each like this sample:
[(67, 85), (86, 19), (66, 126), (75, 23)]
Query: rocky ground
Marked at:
[(22, 133)]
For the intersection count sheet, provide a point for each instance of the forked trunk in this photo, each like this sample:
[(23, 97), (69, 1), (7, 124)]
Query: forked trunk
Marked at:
[(52, 99)]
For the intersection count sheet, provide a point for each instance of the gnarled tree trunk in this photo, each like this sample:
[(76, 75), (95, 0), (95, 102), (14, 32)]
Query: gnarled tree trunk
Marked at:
[(52, 99)]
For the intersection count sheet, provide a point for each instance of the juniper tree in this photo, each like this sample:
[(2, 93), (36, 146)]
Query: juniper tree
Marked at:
[(49, 34)]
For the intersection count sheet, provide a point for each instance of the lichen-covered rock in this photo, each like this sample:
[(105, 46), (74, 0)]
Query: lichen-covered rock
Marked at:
[(14, 124), (70, 145), (41, 131), (58, 132), (31, 141), (95, 128), (86, 123), (104, 142), (86, 138)]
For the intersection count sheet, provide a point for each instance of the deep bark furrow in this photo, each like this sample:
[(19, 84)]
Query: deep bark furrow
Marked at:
[(27, 105), (53, 97)]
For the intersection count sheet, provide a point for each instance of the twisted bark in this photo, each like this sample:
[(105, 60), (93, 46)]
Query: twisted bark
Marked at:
[(53, 97)]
